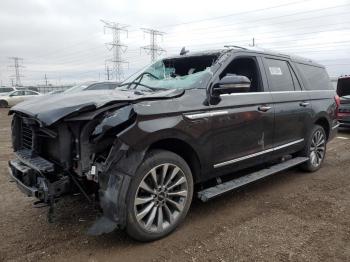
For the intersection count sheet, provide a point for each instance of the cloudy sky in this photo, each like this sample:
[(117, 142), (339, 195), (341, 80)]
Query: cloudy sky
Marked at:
[(65, 39)]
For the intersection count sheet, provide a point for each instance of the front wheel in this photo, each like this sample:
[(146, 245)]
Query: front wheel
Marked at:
[(159, 197), (3, 104), (315, 149)]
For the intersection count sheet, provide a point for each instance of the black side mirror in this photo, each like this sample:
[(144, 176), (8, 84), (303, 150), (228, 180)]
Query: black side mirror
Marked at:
[(343, 86), (232, 84)]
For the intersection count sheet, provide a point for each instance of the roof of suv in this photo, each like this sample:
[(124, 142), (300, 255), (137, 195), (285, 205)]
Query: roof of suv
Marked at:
[(294, 58)]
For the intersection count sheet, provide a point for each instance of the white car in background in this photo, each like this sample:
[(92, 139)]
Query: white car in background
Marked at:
[(16, 97), (6, 90)]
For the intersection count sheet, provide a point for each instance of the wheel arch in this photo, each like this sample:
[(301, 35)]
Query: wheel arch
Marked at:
[(324, 123), (184, 150), (5, 102)]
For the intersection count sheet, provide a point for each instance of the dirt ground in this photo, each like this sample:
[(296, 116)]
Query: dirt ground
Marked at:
[(292, 216)]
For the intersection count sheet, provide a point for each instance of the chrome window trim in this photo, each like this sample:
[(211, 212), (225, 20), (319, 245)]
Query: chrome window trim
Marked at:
[(276, 92), (257, 154)]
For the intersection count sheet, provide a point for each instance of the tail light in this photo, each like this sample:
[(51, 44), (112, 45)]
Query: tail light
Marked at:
[(337, 103)]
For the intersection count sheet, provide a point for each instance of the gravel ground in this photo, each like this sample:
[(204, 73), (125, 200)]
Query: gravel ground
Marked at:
[(292, 216)]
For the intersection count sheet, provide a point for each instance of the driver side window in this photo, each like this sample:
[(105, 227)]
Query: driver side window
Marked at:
[(248, 67)]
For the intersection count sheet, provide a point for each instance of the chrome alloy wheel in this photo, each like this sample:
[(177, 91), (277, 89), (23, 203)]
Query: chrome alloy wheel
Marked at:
[(317, 148), (161, 197)]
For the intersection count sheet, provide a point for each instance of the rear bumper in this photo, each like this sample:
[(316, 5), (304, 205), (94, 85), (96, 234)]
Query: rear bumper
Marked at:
[(344, 119)]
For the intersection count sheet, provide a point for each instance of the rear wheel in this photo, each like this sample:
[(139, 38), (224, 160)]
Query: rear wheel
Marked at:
[(315, 149), (3, 103), (159, 197)]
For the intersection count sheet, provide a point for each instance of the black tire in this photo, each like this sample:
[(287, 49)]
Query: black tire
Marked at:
[(161, 162), (3, 104), (311, 165)]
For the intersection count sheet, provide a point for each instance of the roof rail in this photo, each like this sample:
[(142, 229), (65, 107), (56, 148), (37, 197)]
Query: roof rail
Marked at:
[(235, 46)]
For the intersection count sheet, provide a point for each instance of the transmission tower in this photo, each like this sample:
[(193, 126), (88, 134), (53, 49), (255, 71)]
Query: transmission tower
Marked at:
[(117, 47), (16, 65), (153, 48)]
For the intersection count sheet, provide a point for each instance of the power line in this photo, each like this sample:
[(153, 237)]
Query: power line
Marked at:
[(153, 48), (117, 47), (235, 14), (16, 65)]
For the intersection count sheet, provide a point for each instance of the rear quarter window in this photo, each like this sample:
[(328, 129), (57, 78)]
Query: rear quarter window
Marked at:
[(314, 78)]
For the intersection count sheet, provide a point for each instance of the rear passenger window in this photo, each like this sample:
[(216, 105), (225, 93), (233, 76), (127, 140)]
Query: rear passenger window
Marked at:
[(315, 78), (279, 76)]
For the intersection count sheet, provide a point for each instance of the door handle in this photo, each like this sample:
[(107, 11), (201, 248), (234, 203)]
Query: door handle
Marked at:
[(264, 108), (304, 104)]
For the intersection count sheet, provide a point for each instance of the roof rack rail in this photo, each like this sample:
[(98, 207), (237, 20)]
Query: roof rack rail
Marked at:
[(235, 46)]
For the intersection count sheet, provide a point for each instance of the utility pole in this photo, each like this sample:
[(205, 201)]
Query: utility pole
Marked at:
[(153, 48), (17, 66), (253, 42), (46, 82), (108, 72), (117, 47)]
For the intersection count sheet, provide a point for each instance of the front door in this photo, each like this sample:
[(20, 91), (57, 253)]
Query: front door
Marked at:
[(242, 123)]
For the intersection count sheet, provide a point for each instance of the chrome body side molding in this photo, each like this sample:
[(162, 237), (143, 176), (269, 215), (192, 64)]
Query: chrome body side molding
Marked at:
[(257, 154)]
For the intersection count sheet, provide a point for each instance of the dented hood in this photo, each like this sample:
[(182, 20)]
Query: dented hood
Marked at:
[(51, 108)]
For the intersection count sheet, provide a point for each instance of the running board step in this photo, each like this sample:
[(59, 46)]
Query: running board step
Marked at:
[(220, 189)]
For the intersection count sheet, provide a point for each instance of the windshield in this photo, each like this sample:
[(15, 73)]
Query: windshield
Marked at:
[(177, 73), (77, 88)]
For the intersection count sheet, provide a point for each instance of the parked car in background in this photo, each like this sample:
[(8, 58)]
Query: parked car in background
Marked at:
[(344, 108), (6, 90), (16, 97), (87, 86)]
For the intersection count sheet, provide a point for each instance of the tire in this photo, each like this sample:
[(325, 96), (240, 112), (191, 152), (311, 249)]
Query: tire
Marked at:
[(155, 211), (3, 104), (316, 154)]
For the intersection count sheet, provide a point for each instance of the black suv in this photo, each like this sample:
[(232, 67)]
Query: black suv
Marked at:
[(185, 122)]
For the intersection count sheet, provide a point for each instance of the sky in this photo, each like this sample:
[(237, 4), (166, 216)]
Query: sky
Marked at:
[(66, 39)]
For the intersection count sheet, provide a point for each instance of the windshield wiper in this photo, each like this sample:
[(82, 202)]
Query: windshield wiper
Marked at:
[(129, 84)]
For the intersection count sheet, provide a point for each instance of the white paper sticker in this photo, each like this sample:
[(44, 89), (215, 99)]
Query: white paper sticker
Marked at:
[(275, 71)]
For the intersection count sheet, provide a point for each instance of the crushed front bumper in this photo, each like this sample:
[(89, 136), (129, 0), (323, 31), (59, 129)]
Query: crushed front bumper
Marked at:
[(36, 177)]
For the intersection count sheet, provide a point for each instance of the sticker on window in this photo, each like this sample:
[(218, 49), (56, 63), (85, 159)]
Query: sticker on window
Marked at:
[(275, 71)]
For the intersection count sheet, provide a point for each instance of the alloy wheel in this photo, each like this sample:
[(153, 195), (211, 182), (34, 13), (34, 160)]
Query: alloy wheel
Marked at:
[(317, 148), (160, 197)]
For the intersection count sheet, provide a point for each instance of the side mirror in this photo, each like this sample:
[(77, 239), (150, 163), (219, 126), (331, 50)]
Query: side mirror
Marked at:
[(232, 84), (343, 86)]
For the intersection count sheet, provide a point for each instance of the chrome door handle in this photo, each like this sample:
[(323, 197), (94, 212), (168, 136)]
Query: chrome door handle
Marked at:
[(264, 108), (304, 104)]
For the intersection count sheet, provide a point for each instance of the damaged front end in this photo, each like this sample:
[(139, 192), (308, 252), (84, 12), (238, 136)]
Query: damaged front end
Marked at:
[(80, 153)]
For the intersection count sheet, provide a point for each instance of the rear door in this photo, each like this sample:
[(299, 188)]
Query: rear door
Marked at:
[(242, 123), (292, 105)]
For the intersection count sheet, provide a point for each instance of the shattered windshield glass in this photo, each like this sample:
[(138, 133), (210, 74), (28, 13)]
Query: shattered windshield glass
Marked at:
[(173, 75)]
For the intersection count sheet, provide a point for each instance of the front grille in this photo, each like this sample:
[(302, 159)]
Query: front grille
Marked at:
[(26, 136)]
